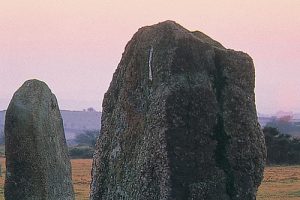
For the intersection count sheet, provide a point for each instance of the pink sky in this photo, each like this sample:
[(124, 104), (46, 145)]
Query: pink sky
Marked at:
[(75, 45)]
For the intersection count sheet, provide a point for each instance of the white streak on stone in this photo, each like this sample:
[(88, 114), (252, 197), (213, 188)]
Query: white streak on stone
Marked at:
[(150, 62), (115, 151)]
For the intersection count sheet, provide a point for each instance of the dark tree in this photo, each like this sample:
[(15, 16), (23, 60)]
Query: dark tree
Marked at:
[(285, 125), (281, 148), (85, 144), (87, 138)]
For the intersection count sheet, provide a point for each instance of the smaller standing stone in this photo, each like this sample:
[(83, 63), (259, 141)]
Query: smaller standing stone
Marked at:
[(37, 162)]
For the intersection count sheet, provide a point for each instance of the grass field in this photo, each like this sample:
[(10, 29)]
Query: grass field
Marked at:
[(279, 183)]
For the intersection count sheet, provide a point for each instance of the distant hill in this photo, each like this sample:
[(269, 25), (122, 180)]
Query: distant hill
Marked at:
[(75, 122), (286, 122)]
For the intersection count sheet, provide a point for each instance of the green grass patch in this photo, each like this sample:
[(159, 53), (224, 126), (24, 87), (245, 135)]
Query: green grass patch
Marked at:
[(295, 193)]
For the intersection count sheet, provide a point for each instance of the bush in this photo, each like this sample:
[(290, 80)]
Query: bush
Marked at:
[(81, 152), (86, 142), (87, 138), (281, 148), (285, 125)]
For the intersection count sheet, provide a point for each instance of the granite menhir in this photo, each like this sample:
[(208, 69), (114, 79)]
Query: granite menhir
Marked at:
[(37, 161), (179, 121)]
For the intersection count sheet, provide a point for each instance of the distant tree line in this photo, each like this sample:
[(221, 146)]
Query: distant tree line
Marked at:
[(282, 149), (2, 139), (285, 125), (85, 147)]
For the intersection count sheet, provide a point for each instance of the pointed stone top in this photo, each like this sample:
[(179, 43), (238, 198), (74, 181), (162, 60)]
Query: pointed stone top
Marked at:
[(34, 81), (170, 28), (34, 84), (32, 94), (169, 24)]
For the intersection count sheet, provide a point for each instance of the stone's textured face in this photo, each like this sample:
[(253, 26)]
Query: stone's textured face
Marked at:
[(188, 130), (37, 162)]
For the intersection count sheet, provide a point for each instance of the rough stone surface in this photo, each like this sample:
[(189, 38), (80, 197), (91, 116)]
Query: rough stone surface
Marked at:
[(37, 162), (188, 130)]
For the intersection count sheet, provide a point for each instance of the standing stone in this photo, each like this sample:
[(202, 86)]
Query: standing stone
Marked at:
[(37, 162), (179, 122)]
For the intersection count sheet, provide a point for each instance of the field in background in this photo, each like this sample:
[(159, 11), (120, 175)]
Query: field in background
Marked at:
[(81, 177), (279, 183)]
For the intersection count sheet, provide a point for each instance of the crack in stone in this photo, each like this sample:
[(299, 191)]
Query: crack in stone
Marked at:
[(220, 134)]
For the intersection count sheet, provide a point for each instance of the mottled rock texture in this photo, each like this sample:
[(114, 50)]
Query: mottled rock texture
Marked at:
[(179, 122), (37, 162)]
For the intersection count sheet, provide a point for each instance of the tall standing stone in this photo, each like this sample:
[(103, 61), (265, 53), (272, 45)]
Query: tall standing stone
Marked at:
[(37, 162), (179, 122)]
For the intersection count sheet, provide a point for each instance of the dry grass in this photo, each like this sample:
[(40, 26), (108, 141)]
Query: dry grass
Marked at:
[(2, 162), (279, 183), (81, 177)]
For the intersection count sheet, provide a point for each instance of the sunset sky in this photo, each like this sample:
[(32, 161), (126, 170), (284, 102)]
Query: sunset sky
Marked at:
[(75, 45)]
